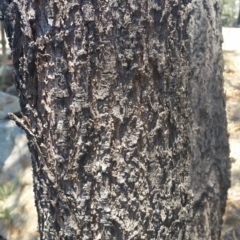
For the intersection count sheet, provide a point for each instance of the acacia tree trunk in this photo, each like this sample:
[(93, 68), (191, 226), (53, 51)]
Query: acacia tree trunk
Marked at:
[(123, 107)]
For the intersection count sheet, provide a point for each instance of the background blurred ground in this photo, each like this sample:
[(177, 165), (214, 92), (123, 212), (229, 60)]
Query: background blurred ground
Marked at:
[(231, 227)]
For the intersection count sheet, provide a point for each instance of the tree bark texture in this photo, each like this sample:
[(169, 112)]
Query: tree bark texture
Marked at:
[(124, 110), (210, 166)]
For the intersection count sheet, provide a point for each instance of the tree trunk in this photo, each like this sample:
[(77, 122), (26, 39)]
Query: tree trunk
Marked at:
[(238, 20), (124, 110), (3, 47)]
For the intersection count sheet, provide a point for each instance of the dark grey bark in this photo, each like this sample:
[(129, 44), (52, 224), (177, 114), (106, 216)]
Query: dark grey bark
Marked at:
[(123, 107)]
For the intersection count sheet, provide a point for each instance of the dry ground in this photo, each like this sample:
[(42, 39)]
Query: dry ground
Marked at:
[(231, 226)]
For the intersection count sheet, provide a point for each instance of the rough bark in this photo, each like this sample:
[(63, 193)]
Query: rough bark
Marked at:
[(209, 138), (123, 107)]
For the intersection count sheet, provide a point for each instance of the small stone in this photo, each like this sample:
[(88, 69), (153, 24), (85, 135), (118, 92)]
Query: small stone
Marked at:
[(12, 90), (8, 103), (6, 76)]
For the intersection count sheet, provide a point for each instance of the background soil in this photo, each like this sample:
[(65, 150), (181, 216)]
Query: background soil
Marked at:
[(231, 226)]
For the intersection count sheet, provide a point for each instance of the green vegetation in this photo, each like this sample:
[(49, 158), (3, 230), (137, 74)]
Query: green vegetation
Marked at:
[(6, 212), (230, 11)]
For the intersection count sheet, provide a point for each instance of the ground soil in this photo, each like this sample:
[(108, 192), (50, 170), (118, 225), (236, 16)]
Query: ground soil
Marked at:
[(231, 226)]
